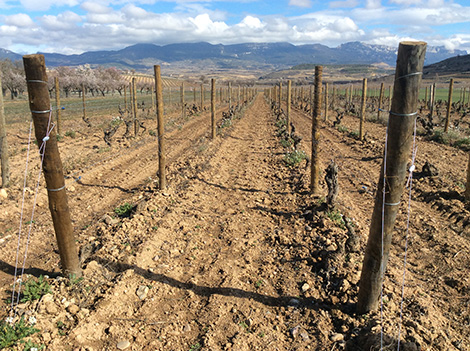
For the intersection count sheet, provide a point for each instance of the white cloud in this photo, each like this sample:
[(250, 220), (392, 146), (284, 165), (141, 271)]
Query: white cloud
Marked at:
[(44, 5), (300, 3), (373, 4), (19, 20), (345, 3), (93, 7)]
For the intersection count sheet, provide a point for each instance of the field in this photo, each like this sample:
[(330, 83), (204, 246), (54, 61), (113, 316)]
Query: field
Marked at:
[(236, 254)]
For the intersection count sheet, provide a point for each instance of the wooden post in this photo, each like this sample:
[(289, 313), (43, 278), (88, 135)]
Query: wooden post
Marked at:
[(289, 101), (194, 96), (238, 97), (4, 143), (363, 109), (426, 97), (381, 96), (202, 96), (161, 127), (39, 103), (57, 103), (449, 105), (229, 96), (84, 102), (467, 188), (315, 167), (402, 117), (389, 97), (432, 99), (183, 108), (134, 105), (154, 93), (326, 101), (280, 95), (213, 108), (125, 97)]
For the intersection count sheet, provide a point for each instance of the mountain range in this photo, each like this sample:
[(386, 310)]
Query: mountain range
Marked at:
[(248, 56)]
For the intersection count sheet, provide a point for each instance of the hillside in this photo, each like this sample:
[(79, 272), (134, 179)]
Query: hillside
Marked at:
[(247, 56), (458, 67)]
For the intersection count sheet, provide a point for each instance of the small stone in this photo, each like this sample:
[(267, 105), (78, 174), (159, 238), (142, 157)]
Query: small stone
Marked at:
[(305, 287), (142, 292), (308, 228), (73, 309), (123, 344), (304, 335), (110, 220), (187, 328), (71, 188), (3, 193), (51, 307), (294, 331), (337, 337)]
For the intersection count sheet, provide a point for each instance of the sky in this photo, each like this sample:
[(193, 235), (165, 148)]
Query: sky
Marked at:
[(76, 26)]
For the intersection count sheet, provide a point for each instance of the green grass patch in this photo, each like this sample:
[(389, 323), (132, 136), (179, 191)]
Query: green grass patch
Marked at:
[(293, 158), (33, 289), (124, 210), (11, 335), (337, 218)]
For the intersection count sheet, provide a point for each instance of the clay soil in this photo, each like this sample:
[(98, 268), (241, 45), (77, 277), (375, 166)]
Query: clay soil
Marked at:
[(236, 254)]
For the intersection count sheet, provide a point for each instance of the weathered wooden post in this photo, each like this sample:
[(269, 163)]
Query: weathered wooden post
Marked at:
[(467, 188), (288, 109), (363, 109), (57, 103), (39, 103), (381, 96), (134, 105), (229, 96), (183, 107), (194, 96), (389, 96), (449, 105), (213, 129), (402, 117), (316, 112), (333, 102), (161, 127), (4, 143), (154, 93), (280, 95), (84, 102), (125, 97), (426, 97), (432, 99), (202, 97), (326, 101)]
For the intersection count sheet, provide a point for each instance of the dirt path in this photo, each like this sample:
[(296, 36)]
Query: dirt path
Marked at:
[(236, 255)]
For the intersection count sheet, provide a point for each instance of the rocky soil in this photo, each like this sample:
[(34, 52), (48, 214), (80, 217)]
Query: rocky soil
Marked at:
[(236, 254)]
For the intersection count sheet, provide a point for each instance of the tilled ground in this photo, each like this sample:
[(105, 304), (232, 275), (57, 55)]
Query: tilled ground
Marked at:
[(237, 255)]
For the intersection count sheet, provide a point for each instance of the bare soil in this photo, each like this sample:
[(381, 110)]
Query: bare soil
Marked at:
[(236, 254)]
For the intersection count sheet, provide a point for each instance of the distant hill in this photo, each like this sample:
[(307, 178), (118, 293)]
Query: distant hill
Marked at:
[(7, 54), (457, 67), (248, 56)]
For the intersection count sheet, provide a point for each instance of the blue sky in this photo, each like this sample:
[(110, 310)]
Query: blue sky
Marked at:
[(75, 26)]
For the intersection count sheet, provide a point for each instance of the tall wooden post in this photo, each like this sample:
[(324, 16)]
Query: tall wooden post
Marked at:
[(229, 96), (57, 103), (449, 105), (432, 99), (289, 101), (333, 102), (161, 127), (134, 105), (202, 96), (84, 102), (280, 95), (467, 188), (426, 97), (381, 97), (402, 117), (4, 143), (39, 103), (363, 109), (326, 101), (154, 93), (389, 96), (315, 167), (125, 97), (213, 108), (183, 107)]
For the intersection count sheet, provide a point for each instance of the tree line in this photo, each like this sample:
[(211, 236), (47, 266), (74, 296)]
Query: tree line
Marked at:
[(96, 81)]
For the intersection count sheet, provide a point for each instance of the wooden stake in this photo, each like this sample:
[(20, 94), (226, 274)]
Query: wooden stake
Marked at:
[(213, 90), (183, 107), (161, 127), (125, 97), (315, 168), (381, 96), (363, 109), (229, 96), (467, 188), (280, 95), (39, 103), (57, 103), (134, 105), (402, 117), (84, 103), (426, 97), (449, 105), (326, 101), (4, 143), (289, 101)]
